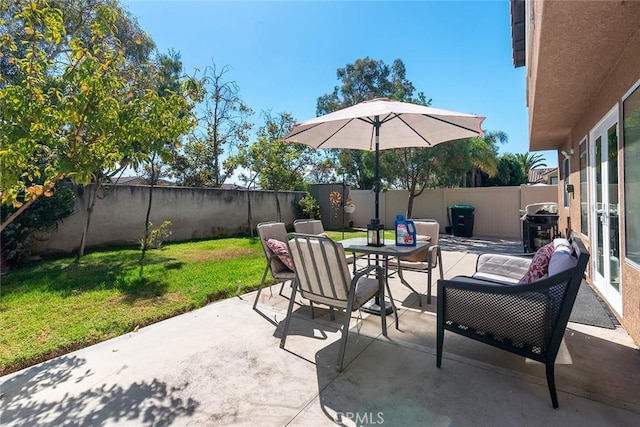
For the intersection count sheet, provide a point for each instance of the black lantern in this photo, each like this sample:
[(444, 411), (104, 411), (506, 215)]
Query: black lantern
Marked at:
[(375, 233)]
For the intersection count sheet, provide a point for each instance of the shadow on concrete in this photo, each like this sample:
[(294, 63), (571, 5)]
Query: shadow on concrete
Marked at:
[(143, 403)]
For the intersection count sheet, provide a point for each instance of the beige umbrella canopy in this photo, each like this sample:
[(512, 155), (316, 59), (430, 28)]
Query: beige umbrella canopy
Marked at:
[(400, 125), (382, 124)]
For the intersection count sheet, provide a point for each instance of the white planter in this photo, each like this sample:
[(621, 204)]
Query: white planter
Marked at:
[(349, 209)]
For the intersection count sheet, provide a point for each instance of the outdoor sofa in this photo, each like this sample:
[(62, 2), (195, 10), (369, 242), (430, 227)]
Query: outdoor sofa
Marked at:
[(497, 307)]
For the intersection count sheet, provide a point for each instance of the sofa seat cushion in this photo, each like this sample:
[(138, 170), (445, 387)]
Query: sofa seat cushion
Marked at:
[(506, 280), (505, 267)]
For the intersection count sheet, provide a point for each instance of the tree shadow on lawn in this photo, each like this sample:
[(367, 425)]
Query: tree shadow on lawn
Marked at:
[(116, 270)]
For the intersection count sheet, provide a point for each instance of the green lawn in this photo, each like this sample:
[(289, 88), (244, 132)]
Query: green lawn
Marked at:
[(50, 307)]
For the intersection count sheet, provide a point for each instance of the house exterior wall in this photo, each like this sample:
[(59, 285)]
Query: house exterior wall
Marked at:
[(623, 70), (624, 75)]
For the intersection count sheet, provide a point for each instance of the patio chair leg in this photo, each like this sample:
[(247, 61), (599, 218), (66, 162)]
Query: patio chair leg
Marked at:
[(439, 330), (264, 276), (345, 335), (287, 320), (404, 282), (312, 312), (429, 273), (439, 261), (434, 251), (333, 314), (551, 382)]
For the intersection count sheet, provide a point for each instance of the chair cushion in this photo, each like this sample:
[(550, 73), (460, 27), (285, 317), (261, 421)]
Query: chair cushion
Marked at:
[(280, 248), (510, 267), (539, 266), (419, 256), (561, 260)]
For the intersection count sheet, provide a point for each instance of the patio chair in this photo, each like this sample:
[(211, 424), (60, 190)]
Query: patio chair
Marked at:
[(308, 226), (323, 277), (314, 226), (528, 319), (423, 261), (277, 232)]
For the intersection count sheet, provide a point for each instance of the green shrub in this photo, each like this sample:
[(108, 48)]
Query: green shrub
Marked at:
[(309, 207), (156, 236), (42, 216)]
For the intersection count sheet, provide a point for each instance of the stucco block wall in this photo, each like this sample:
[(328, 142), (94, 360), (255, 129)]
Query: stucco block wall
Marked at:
[(195, 213), (497, 209)]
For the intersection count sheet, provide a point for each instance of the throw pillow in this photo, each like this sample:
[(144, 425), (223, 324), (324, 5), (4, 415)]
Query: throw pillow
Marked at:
[(280, 248), (561, 244), (561, 260), (539, 266)]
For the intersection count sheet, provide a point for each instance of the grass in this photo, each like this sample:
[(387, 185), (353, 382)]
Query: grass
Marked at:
[(53, 307)]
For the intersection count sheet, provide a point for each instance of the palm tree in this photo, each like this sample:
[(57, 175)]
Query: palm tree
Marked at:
[(531, 161), (484, 155)]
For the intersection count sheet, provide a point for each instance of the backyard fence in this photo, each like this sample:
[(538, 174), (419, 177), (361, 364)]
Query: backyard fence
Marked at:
[(198, 213), (195, 213), (497, 209)]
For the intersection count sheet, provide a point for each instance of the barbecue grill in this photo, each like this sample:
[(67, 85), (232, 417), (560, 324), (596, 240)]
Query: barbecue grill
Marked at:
[(539, 225)]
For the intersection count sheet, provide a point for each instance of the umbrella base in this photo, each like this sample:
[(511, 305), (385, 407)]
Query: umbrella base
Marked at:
[(373, 307)]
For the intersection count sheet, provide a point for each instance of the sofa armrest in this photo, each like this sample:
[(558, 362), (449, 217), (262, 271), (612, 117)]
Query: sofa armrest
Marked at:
[(510, 267)]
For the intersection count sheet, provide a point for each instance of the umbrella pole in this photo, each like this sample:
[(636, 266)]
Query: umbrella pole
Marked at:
[(374, 306), (376, 182)]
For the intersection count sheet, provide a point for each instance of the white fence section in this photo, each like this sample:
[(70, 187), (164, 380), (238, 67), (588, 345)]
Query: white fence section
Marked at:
[(497, 209)]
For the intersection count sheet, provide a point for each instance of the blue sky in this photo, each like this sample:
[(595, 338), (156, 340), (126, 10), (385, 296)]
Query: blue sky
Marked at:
[(284, 55)]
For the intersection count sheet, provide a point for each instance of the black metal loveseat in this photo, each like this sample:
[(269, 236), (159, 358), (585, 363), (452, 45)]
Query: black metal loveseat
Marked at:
[(525, 319)]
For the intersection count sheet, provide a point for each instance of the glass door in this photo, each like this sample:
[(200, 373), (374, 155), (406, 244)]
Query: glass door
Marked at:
[(605, 241)]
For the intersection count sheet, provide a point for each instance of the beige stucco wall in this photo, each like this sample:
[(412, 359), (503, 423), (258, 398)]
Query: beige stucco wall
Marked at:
[(623, 76), (497, 209), (195, 213)]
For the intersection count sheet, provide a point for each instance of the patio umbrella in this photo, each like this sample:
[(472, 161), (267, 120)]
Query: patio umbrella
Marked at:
[(382, 124)]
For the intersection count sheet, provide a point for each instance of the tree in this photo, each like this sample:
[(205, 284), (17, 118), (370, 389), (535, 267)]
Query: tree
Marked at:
[(531, 161), (510, 172), (271, 162), (462, 162), (363, 80), (224, 128), (43, 217), (81, 105), (484, 155), (170, 83), (416, 171)]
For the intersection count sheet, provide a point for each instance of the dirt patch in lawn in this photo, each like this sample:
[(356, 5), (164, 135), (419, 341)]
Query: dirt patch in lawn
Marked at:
[(219, 254)]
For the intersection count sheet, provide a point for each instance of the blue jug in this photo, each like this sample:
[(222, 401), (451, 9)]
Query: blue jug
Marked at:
[(405, 232)]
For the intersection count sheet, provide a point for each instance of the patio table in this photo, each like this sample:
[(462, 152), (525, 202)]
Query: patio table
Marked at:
[(359, 244)]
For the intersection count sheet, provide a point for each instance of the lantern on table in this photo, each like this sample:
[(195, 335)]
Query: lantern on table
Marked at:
[(375, 233)]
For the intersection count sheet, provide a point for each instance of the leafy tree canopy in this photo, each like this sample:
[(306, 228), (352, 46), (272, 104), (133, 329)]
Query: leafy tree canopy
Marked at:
[(77, 103)]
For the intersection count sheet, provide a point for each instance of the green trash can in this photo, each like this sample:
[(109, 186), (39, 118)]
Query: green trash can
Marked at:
[(462, 220)]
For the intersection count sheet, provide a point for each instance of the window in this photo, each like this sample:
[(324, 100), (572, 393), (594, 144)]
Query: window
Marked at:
[(566, 171), (584, 191), (631, 126)]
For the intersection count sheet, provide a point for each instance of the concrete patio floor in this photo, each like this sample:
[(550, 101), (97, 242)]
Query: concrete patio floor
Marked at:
[(222, 365)]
